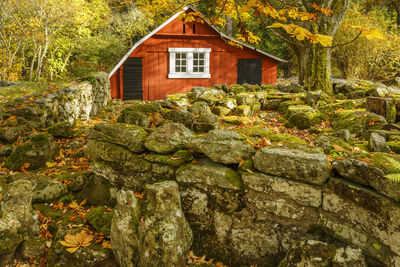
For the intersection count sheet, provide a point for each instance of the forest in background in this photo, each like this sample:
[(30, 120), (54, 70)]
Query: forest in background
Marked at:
[(50, 40)]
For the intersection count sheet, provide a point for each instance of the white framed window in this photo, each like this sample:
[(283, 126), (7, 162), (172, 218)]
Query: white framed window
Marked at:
[(189, 63)]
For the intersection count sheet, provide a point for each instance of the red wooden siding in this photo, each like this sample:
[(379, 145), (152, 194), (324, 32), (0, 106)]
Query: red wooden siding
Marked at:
[(155, 56)]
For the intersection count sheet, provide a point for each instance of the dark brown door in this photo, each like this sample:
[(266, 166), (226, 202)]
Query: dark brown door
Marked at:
[(249, 71), (132, 77)]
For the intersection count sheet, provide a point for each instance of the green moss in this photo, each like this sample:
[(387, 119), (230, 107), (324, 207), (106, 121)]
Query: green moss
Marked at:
[(100, 219), (236, 89), (243, 110), (283, 107), (178, 96), (394, 146), (176, 160), (302, 117), (234, 178), (235, 120), (221, 111), (362, 145), (61, 129), (48, 211), (391, 111), (357, 122)]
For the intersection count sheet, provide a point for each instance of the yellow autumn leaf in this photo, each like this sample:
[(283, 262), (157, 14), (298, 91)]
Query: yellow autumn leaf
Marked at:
[(51, 164), (73, 242)]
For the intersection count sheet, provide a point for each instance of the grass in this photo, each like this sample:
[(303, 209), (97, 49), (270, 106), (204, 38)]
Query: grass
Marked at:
[(10, 93)]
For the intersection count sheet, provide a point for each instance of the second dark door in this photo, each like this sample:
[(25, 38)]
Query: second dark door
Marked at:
[(249, 71)]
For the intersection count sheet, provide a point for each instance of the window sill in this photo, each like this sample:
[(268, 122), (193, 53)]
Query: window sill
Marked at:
[(189, 76)]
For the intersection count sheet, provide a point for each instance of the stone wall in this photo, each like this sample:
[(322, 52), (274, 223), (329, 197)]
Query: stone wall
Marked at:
[(78, 101), (248, 206)]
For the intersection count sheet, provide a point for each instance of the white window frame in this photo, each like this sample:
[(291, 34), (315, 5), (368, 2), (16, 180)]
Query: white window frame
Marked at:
[(189, 74)]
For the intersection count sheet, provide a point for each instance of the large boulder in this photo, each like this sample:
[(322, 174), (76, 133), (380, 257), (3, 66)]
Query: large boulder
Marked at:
[(369, 174), (10, 135), (199, 108), (169, 138), (181, 116), (205, 123), (17, 204), (129, 136), (124, 228), (357, 122), (302, 117), (61, 129), (154, 233), (44, 188), (377, 143), (138, 114), (37, 152), (209, 173), (305, 165), (223, 146)]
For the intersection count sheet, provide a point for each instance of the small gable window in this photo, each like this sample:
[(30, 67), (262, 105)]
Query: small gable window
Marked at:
[(189, 63)]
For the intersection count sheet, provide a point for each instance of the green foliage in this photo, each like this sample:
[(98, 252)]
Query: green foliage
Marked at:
[(396, 165)]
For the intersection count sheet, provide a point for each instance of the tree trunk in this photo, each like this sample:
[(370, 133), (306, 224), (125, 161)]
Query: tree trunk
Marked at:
[(314, 68), (229, 26)]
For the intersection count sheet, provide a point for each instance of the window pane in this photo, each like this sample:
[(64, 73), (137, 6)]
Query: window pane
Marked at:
[(195, 55), (195, 62), (183, 55), (177, 69), (201, 63), (195, 69), (183, 69), (201, 56), (178, 55), (177, 62), (183, 62), (201, 69)]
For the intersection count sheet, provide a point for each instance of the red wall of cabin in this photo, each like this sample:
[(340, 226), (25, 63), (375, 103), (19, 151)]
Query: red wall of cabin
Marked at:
[(155, 56)]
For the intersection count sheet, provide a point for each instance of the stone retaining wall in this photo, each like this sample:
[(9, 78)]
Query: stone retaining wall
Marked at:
[(248, 207)]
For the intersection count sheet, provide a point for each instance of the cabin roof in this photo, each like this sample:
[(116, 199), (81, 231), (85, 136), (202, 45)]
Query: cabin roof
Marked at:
[(223, 35)]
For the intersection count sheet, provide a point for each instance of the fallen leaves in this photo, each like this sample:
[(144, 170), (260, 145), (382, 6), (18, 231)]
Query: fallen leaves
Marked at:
[(74, 242)]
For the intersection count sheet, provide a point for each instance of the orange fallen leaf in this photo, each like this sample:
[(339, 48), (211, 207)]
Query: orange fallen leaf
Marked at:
[(73, 242)]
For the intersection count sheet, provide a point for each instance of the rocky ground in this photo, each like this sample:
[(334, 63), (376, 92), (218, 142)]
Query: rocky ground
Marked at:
[(243, 174)]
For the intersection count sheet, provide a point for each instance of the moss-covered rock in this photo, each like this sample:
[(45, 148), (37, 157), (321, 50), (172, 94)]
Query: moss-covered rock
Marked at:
[(100, 218), (98, 191), (33, 247), (302, 117), (131, 137), (199, 108), (61, 129), (236, 89), (176, 160), (209, 173), (243, 110), (357, 122), (181, 116), (283, 106), (310, 166), (332, 145), (9, 135), (221, 111), (37, 152), (230, 103), (223, 146), (138, 114), (235, 120), (205, 123), (169, 138)]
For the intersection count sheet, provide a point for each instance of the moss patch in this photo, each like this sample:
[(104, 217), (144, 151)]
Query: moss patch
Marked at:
[(100, 219)]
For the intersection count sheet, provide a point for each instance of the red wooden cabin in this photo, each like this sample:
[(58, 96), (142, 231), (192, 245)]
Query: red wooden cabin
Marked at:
[(177, 56)]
